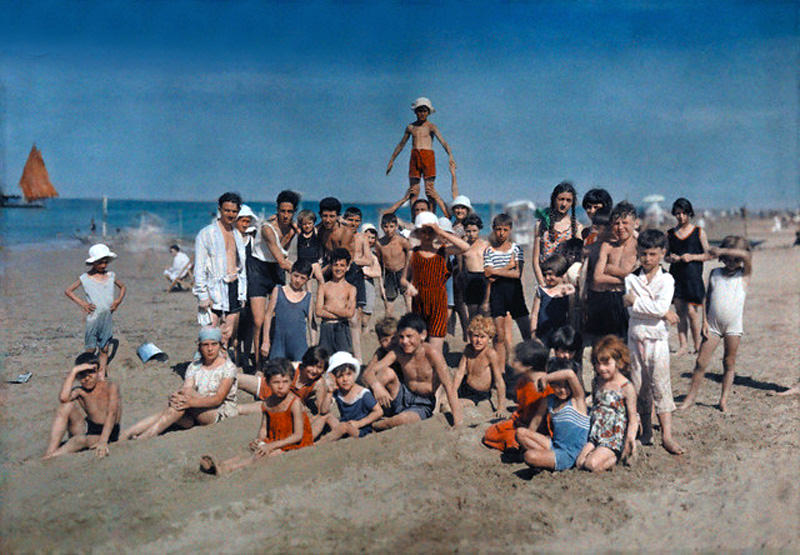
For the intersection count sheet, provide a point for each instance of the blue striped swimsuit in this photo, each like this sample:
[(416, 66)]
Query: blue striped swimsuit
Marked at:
[(570, 433)]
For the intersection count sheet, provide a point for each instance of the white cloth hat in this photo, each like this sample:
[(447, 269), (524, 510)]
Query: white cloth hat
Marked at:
[(98, 252), (422, 101), (425, 218), (461, 200), (246, 212), (365, 227), (446, 224), (343, 357)]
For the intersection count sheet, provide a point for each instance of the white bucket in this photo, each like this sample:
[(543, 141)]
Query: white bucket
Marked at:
[(148, 351)]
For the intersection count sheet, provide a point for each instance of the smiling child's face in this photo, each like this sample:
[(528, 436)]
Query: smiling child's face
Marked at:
[(307, 226), (622, 227), (409, 340), (313, 371), (339, 268)]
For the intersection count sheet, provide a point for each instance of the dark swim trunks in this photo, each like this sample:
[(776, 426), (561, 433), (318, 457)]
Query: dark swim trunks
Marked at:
[(391, 284), (606, 314), (466, 391), (474, 285), (406, 400), (94, 429)]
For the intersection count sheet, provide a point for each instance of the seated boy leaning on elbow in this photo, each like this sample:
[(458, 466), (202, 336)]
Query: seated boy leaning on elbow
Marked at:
[(99, 400)]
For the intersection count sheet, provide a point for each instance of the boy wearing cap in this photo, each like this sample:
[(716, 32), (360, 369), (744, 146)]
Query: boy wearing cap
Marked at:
[(98, 285), (358, 408), (423, 161)]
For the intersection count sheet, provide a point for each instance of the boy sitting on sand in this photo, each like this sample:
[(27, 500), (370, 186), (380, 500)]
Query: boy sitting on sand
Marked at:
[(336, 305), (480, 366), (98, 284), (423, 160), (422, 367), (98, 398)]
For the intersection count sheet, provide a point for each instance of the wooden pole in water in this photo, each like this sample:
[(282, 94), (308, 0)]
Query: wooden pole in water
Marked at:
[(105, 214)]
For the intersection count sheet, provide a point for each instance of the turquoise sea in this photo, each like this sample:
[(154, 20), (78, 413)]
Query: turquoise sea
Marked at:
[(62, 222)]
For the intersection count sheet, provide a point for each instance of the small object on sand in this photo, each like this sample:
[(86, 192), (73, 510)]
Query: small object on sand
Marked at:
[(208, 465), (22, 378), (148, 351)]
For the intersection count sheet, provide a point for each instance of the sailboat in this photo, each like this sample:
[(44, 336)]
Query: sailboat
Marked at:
[(35, 184)]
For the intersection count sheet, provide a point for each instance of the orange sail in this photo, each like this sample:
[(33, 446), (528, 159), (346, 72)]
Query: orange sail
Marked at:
[(35, 183)]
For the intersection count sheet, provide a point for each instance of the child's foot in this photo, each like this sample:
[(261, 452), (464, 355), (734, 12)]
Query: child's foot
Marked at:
[(791, 391), (687, 403), (208, 465), (723, 405), (672, 446), (681, 351)]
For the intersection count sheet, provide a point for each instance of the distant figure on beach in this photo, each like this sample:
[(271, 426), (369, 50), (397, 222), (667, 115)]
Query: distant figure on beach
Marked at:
[(423, 160), (96, 397), (98, 284), (220, 277), (180, 265)]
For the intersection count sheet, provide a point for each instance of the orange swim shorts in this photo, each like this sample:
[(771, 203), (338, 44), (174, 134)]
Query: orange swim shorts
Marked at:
[(423, 162)]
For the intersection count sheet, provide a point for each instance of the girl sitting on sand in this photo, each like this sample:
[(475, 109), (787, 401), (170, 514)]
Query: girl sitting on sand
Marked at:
[(208, 394), (569, 421), (612, 433), (727, 288), (284, 424)]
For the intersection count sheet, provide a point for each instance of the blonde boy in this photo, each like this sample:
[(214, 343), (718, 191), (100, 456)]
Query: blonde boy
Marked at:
[(480, 367)]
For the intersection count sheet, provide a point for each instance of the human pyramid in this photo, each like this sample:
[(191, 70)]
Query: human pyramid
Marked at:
[(283, 302)]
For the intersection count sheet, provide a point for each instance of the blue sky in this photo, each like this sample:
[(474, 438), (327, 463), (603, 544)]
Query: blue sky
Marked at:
[(183, 100)]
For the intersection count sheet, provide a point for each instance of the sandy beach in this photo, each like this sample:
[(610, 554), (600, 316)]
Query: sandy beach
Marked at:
[(424, 488)]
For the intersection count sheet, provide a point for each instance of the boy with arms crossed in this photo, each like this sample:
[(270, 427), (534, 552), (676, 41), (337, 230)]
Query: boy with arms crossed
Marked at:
[(473, 281), (336, 305), (423, 369), (98, 398), (423, 161)]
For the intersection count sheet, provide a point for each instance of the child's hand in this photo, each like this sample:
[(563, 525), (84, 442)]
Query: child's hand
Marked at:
[(265, 347), (713, 251), (88, 308), (253, 445), (671, 317), (629, 449), (686, 257), (705, 331), (263, 449), (411, 291), (179, 401), (100, 449), (629, 298), (488, 271), (381, 395), (114, 306), (452, 164)]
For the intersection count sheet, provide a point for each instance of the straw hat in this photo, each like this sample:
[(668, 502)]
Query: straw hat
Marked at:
[(343, 357), (461, 200), (98, 252), (422, 101)]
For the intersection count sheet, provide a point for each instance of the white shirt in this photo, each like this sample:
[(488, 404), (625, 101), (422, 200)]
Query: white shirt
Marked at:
[(260, 250), (210, 267), (652, 303)]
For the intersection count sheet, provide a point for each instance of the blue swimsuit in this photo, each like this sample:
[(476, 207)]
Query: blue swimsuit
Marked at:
[(289, 327), (570, 433)]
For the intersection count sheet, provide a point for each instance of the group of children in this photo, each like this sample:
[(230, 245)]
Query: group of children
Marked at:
[(602, 286)]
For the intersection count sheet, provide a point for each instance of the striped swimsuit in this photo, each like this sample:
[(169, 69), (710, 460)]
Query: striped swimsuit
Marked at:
[(429, 276)]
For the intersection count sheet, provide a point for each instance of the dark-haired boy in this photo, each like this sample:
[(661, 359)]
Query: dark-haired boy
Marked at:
[(616, 258), (474, 283), (648, 295), (393, 252), (220, 277), (99, 400), (423, 369), (336, 305)]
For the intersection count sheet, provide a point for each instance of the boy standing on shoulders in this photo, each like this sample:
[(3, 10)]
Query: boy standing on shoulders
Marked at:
[(648, 295), (336, 305), (423, 160), (393, 251), (605, 310), (98, 284), (423, 369), (220, 277), (98, 398)]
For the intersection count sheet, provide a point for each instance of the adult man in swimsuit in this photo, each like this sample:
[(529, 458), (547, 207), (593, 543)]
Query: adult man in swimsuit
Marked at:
[(423, 368), (422, 162)]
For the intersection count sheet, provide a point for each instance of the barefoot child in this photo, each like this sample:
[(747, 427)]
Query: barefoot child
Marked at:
[(566, 407), (423, 161), (358, 409), (98, 398), (561, 225), (422, 367), (290, 306), (285, 426), (688, 248), (427, 273), (553, 299), (616, 258), (208, 394), (727, 288), (530, 360), (479, 367), (309, 247), (336, 305), (98, 285), (474, 285), (393, 252), (372, 276), (648, 294), (612, 432)]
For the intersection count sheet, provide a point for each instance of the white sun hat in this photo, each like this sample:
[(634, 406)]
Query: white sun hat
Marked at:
[(422, 101), (368, 226), (340, 358), (462, 200), (446, 225), (246, 212), (98, 252), (425, 218)]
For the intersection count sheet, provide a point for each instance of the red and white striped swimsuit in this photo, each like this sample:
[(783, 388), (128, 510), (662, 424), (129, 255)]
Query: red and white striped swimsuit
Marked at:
[(429, 276)]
